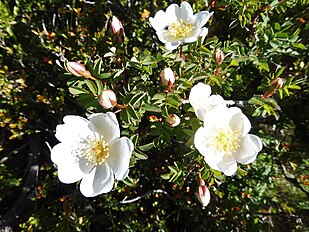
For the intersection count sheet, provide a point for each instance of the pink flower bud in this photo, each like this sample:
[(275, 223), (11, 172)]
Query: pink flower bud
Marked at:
[(173, 120), (76, 68), (219, 56), (168, 77), (203, 194), (116, 26), (274, 85), (108, 99)]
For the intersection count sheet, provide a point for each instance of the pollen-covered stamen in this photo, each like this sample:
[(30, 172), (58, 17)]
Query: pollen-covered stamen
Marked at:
[(94, 150), (179, 29), (225, 140), (101, 151)]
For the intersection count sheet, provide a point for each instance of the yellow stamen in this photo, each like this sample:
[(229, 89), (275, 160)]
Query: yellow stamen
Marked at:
[(226, 140), (97, 151), (179, 29)]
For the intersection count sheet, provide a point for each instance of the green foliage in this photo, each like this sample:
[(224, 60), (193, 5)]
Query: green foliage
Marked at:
[(262, 41)]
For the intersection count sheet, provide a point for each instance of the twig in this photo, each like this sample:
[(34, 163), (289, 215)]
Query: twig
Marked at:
[(125, 201)]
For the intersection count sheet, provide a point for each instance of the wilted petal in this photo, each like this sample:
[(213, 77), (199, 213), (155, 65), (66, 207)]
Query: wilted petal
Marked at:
[(250, 146), (99, 180), (106, 125), (119, 159)]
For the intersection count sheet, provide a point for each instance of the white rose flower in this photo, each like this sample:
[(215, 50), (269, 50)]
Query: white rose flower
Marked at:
[(202, 101), (91, 151), (224, 140), (178, 25)]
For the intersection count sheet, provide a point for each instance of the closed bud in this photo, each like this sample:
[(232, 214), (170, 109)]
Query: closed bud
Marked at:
[(277, 83), (116, 26), (76, 68), (202, 193), (219, 56), (173, 120), (274, 85), (168, 77), (107, 99)]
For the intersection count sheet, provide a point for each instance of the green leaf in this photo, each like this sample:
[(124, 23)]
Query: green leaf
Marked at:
[(104, 75), (99, 86), (264, 66), (146, 147), (97, 66), (77, 90), (132, 113), (173, 100), (234, 63), (137, 98), (151, 108), (91, 86)]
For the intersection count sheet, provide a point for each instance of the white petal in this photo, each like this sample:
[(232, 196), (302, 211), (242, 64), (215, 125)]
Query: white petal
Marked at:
[(171, 12), (184, 12), (73, 128), (201, 18), (210, 157), (159, 22), (62, 155), (239, 121), (106, 125), (171, 46), (192, 37), (59, 153), (70, 173), (228, 165), (204, 32), (99, 180), (199, 95), (250, 146), (119, 159), (218, 117)]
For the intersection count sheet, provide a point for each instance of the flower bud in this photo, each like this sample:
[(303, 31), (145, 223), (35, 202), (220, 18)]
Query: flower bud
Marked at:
[(107, 99), (219, 56), (116, 26), (76, 68), (173, 120), (168, 77), (202, 193), (274, 85)]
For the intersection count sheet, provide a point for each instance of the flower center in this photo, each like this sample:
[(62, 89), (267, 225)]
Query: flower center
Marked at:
[(95, 150), (179, 29), (225, 140)]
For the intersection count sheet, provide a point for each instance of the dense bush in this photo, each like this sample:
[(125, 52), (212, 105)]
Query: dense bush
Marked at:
[(264, 72)]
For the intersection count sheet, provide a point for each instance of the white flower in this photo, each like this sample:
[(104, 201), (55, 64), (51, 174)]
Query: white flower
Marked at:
[(178, 25), (91, 151), (202, 101), (224, 140)]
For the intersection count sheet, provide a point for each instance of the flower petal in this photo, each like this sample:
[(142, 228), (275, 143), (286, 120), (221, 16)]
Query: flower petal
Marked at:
[(201, 18), (184, 12), (99, 180), (59, 153), (69, 173), (250, 146), (106, 125), (228, 165), (74, 127), (199, 93), (119, 159), (171, 46), (210, 157), (158, 22), (239, 121)]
